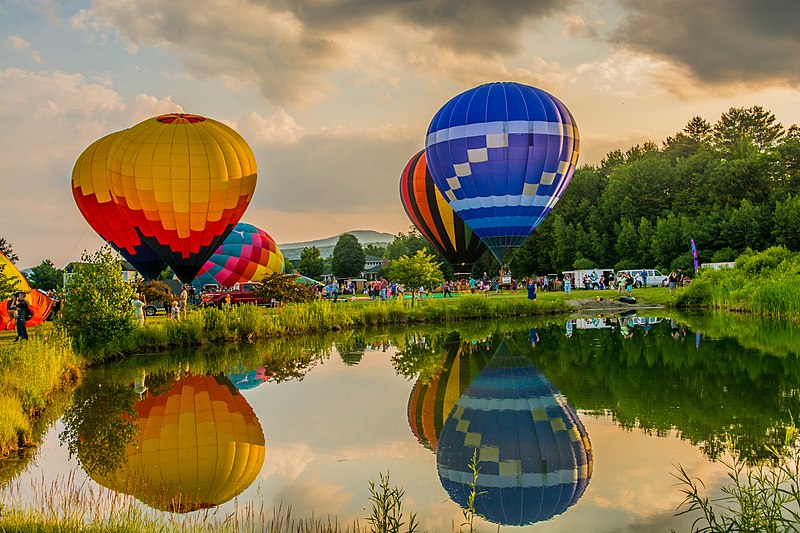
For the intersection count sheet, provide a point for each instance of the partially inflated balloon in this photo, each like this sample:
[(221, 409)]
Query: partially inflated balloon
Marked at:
[(248, 254), (198, 445), (434, 218), (91, 190), (533, 453), (502, 154), (40, 303), (183, 182)]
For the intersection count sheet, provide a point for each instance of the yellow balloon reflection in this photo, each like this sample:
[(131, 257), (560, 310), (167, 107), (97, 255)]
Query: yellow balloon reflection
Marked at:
[(198, 445)]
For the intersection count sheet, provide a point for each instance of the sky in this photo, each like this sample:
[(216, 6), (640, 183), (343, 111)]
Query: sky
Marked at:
[(335, 96)]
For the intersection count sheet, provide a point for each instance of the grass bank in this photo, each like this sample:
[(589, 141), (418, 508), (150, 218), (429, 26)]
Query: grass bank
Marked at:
[(247, 323), (36, 372), (762, 283)]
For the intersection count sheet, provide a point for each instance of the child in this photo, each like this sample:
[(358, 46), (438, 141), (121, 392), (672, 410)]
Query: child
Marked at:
[(175, 310)]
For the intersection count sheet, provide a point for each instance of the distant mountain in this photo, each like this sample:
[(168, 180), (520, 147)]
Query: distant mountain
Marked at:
[(292, 250)]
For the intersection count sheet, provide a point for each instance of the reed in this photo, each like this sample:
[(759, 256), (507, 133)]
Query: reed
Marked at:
[(248, 323), (41, 368), (765, 283)]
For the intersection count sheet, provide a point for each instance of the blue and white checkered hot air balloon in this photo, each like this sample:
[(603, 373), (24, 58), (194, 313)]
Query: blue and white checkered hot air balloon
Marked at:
[(502, 154), (534, 455)]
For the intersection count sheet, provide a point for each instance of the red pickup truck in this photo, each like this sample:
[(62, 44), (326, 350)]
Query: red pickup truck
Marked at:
[(240, 294)]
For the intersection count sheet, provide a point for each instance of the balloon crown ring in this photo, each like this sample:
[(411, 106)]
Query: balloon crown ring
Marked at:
[(180, 118)]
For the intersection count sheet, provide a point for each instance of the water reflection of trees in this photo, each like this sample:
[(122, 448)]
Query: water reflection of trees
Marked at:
[(725, 391), (713, 394)]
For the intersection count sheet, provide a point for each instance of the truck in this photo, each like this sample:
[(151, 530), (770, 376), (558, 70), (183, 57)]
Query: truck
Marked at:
[(595, 277), (241, 293)]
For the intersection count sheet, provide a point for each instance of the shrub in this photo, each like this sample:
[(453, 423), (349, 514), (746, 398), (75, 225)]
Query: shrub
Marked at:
[(98, 303)]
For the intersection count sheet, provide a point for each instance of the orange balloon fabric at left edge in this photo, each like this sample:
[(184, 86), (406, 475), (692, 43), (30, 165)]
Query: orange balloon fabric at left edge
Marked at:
[(40, 303), (182, 182)]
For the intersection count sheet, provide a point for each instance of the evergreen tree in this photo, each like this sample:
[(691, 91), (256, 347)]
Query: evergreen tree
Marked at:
[(8, 250), (46, 276), (348, 257)]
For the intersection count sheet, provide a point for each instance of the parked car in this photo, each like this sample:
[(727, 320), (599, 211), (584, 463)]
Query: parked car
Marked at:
[(654, 277), (240, 294), (154, 308)]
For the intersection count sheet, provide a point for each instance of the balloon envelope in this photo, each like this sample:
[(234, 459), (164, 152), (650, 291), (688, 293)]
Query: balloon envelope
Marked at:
[(92, 194), (40, 303), (247, 254), (434, 218), (502, 154), (534, 455), (198, 445), (182, 182)]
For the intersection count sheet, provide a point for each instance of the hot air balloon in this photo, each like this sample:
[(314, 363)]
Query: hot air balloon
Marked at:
[(91, 190), (198, 445), (247, 254), (182, 182), (534, 456), (430, 403), (434, 218), (40, 303), (502, 154)]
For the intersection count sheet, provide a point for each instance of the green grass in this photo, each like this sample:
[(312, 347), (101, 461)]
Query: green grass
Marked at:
[(35, 371)]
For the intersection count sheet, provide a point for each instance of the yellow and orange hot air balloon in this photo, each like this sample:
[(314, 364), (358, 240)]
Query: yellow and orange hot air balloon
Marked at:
[(92, 192), (179, 184), (198, 445)]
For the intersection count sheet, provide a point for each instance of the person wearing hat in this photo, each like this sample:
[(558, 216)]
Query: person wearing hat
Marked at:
[(22, 315)]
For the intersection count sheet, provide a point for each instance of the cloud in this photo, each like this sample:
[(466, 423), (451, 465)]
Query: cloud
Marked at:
[(288, 49), (717, 43), (279, 128), (18, 43), (50, 117)]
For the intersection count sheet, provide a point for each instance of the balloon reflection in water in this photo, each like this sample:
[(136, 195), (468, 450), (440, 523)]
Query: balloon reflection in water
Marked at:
[(430, 403), (250, 379), (199, 444), (534, 456)]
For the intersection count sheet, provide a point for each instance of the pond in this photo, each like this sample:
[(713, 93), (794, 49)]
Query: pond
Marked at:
[(576, 424)]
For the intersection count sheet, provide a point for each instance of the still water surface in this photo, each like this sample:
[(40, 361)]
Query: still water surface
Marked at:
[(576, 424)]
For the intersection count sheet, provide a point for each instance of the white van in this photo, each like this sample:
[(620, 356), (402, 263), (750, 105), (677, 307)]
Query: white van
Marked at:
[(654, 277)]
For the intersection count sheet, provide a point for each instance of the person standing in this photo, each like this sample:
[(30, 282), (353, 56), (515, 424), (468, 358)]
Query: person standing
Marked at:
[(568, 283), (184, 301), (644, 279), (531, 289), (22, 315), (672, 280), (628, 283), (138, 309)]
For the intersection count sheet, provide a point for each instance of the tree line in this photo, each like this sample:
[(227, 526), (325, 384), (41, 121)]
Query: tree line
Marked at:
[(730, 186)]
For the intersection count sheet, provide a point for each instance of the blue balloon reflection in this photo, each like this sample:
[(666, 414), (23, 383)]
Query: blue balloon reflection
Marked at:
[(534, 455)]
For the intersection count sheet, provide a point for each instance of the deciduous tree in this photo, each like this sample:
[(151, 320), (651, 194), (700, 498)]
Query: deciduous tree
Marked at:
[(418, 270), (311, 263)]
